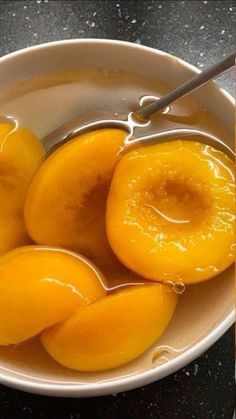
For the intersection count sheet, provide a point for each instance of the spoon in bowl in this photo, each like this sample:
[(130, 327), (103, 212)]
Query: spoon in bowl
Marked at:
[(141, 118)]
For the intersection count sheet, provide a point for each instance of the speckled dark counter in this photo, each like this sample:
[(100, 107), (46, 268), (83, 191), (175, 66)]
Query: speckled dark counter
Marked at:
[(199, 32)]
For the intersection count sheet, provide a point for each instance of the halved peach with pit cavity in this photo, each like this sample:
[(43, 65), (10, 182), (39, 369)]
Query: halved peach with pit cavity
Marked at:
[(171, 211), (66, 202), (41, 286), (112, 331)]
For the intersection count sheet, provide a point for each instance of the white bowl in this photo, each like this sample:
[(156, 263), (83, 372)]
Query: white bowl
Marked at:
[(206, 311)]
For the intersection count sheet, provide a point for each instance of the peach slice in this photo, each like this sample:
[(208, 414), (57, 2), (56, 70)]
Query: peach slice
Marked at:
[(170, 211), (41, 286), (20, 153), (66, 202), (112, 331)]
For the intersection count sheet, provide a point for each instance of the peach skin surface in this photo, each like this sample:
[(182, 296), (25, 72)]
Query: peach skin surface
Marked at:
[(112, 331), (41, 286), (20, 154)]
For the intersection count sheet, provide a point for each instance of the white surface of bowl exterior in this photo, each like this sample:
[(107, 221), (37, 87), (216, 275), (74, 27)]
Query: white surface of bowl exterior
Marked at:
[(114, 55)]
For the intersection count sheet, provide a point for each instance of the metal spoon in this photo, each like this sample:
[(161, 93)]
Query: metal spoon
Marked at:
[(141, 118)]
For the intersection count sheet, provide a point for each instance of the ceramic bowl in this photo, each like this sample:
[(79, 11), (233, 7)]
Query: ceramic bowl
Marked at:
[(205, 311)]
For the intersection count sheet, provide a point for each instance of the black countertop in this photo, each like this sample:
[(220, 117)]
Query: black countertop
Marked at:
[(200, 32)]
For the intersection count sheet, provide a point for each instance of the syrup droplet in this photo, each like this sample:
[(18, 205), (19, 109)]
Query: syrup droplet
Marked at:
[(159, 358), (179, 287), (169, 285)]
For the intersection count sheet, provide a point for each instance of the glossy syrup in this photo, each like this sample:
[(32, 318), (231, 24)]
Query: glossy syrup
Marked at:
[(46, 103)]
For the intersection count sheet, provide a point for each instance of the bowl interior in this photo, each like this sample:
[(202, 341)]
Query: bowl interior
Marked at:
[(203, 308)]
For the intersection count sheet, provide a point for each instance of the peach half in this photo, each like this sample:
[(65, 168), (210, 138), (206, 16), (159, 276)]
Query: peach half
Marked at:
[(171, 211), (40, 286), (112, 331), (20, 154), (66, 202)]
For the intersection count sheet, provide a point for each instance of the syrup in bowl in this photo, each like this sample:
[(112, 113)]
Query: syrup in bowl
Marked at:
[(41, 110)]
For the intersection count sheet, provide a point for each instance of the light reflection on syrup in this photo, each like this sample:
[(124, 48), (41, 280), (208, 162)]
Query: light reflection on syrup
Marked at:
[(164, 353), (15, 125), (166, 217), (71, 287), (170, 286), (147, 99)]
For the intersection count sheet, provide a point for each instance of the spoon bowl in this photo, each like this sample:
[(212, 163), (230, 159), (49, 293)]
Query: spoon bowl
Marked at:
[(141, 117), (79, 125)]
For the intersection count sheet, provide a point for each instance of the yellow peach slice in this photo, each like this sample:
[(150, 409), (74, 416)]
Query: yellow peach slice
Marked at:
[(112, 331), (41, 286), (171, 211), (66, 202), (20, 153)]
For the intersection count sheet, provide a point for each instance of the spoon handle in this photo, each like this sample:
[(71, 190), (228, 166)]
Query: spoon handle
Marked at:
[(194, 83)]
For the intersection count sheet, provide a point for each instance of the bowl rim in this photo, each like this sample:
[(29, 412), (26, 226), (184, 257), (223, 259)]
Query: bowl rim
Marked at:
[(138, 379)]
